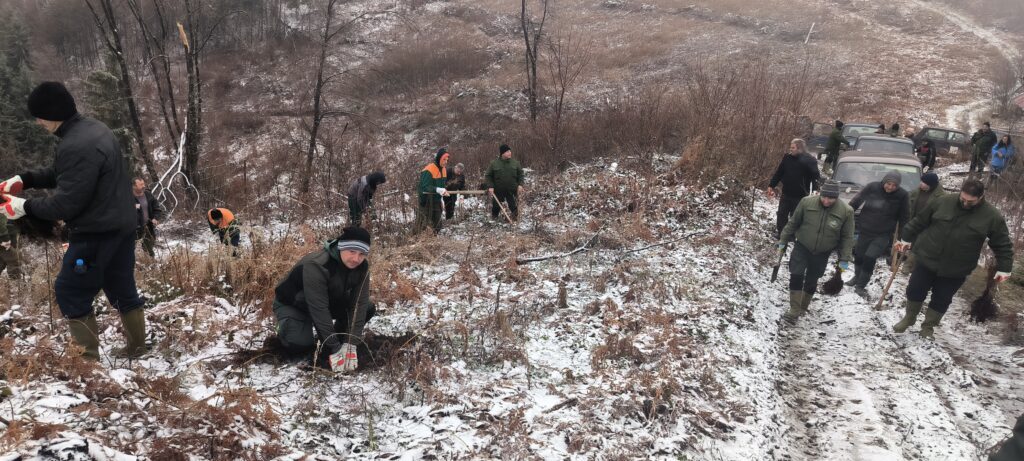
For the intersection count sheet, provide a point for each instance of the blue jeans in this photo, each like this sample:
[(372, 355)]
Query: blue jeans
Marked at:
[(109, 265)]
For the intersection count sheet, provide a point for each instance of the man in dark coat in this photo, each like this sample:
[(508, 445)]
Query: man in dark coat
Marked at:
[(456, 181), (93, 196), (798, 173), (360, 195), (323, 303), (926, 154), (504, 179), (884, 207), (982, 142), (149, 214), (946, 238), (835, 140)]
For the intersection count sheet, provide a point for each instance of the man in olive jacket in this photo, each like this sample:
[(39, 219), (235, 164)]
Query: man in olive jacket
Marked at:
[(982, 142), (884, 207), (92, 194), (946, 238), (819, 225), (835, 139), (327, 292), (504, 180)]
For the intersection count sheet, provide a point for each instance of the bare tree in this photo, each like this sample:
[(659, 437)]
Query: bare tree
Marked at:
[(570, 55), (108, 27), (533, 30), (1004, 84), (155, 52)]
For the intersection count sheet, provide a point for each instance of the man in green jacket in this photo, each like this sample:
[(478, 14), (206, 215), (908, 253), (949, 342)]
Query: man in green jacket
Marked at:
[(919, 198), (835, 139), (819, 225), (982, 142), (10, 259), (947, 237), (325, 300), (431, 192), (504, 179)]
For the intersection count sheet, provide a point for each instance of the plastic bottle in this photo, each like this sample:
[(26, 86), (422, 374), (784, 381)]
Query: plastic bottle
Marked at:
[(80, 266)]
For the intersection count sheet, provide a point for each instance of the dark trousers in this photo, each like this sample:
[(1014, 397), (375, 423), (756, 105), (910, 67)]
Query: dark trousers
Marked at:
[(355, 212), (148, 238), (806, 268), (978, 160), (787, 205), (429, 215), (295, 327), (923, 280), (866, 253), (109, 265), (449, 206), (510, 197)]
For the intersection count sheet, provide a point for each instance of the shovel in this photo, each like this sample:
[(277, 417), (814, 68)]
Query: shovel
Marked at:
[(775, 268)]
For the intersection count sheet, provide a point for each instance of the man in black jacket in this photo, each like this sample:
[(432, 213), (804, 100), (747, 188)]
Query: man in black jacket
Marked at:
[(327, 293), (456, 181), (360, 195), (982, 142), (798, 173), (883, 206), (149, 213), (92, 195)]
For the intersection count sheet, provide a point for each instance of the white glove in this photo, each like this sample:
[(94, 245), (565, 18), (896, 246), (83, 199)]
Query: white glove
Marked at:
[(345, 359), (12, 186), (902, 246), (5, 245), (12, 207), (442, 191), (1001, 277)]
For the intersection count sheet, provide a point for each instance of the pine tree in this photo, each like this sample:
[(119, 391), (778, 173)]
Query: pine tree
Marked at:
[(103, 96), (23, 144)]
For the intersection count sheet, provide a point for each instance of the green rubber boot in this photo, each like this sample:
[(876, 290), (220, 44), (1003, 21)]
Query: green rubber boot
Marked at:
[(805, 301), (931, 320), (134, 323), (796, 308), (913, 308), (85, 333)]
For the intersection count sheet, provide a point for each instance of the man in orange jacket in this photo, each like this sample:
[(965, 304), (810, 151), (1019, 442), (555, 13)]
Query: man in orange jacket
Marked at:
[(223, 223)]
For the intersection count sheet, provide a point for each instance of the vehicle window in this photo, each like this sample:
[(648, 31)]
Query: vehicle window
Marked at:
[(859, 130), (878, 145), (821, 129), (863, 173), (957, 137), (936, 134)]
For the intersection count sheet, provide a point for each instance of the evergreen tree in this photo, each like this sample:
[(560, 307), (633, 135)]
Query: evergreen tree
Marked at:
[(103, 96), (23, 144)]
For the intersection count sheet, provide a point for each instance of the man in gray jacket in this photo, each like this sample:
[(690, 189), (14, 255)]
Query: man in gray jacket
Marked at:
[(327, 292), (360, 194)]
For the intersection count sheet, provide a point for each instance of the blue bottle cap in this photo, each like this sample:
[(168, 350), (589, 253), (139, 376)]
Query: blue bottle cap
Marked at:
[(79, 262)]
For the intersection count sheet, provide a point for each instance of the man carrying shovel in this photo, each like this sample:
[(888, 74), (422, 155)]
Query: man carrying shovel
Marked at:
[(819, 225), (946, 238), (504, 180)]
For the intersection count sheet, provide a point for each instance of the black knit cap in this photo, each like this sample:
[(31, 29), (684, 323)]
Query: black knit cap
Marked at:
[(931, 179), (839, 123), (504, 148), (354, 238), (51, 101)]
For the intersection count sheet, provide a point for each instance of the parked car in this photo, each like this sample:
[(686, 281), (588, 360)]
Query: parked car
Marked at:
[(873, 143), (945, 140), (854, 170), (852, 131)]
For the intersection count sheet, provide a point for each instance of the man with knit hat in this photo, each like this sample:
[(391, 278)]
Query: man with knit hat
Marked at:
[(323, 303), (504, 180), (92, 195), (884, 208), (820, 225), (431, 191), (947, 237)]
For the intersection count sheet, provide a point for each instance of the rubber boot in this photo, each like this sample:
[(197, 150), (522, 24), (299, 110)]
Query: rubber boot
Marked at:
[(85, 333), (856, 276), (913, 308), (795, 306), (931, 320), (134, 323), (805, 301)]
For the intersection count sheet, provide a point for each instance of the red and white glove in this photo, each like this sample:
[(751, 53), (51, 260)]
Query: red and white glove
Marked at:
[(902, 246), (1001, 277), (12, 186), (345, 359), (12, 207)]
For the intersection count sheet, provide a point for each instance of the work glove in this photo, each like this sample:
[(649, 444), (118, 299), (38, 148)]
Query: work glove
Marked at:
[(844, 266), (442, 191), (12, 207), (12, 186), (345, 359), (5, 245), (902, 246), (1001, 277)]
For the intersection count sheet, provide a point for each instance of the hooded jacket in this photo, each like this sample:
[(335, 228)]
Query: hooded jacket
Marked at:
[(881, 211), (93, 191), (947, 238), (364, 188), (321, 285), (432, 177)]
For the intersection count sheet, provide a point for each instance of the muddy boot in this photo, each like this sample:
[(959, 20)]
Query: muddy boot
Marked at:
[(134, 323), (85, 333), (796, 308), (931, 320), (913, 308), (805, 301)]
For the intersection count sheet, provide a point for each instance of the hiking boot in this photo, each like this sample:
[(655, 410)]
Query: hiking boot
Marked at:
[(931, 320), (796, 308), (913, 308), (85, 333), (134, 323)]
